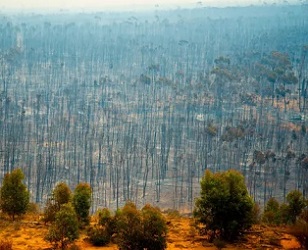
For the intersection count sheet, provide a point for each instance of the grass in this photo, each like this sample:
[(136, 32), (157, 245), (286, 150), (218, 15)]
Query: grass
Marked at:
[(28, 234)]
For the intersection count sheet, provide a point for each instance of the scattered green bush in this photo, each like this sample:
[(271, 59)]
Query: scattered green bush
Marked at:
[(286, 213), (131, 228), (61, 195), (98, 236), (14, 196), (296, 204), (271, 213), (154, 228), (225, 208), (64, 229), (82, 203), (101, 233)]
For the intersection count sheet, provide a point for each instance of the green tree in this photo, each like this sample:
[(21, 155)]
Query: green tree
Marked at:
[(82, 203), (64, 229), (272, 211), (61, 195), (14, 198), (154, 228), (138, 230), (129, 228), (295, 206), (224, 207), (101, 233)]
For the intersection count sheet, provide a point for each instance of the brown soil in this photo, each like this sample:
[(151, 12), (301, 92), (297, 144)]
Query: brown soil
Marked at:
[(29, 233)]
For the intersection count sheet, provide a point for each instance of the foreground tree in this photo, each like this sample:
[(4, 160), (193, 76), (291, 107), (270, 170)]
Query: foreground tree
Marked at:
[(296, 204), (145, 229), (224, 208), (154, 228), (82, 203), (64, 230), (101, 233), (61, 195), (14, 198), (271, 213)]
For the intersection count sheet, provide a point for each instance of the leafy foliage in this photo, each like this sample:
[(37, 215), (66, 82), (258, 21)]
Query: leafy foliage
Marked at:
[(154, 227), (98, 236), (286, 213), (14, 194), (60, 195), (129, 228), (64, 229), (271, 213), (225, 207), (145, 229), (82, 203), (101, 233), (296, 203)]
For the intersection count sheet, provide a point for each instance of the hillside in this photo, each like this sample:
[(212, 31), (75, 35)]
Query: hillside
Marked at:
[(140, 104)]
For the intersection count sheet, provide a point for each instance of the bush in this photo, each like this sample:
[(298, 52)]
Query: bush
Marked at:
[(101, 233), (107, 221), (64, 229), (296, 203), (14, 196), (271, 213), (300, 229), (33, 208), (225, 208), (145, 229), (6, 245), (98, 236), (286, 213), (154, 228), (129, 228), (61, 195), (82, 203)]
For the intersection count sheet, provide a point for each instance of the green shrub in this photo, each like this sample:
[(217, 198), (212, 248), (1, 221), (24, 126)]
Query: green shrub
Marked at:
[(64, 229), (82, 203), (129, 228), (138, 230), (61, 195), (225, 208), (98, 236), (271, 213), (101, 233), (286, 213), (14, 196), (154, 228), (296, 203)]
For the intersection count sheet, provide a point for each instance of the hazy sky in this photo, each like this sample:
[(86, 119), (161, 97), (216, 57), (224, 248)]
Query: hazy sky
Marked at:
[(115, 4)]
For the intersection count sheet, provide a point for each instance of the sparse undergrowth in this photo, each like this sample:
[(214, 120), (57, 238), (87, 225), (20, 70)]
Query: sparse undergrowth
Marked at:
[(30, 233)]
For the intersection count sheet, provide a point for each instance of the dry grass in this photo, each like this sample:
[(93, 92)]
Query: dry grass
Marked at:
[(29, 234)]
